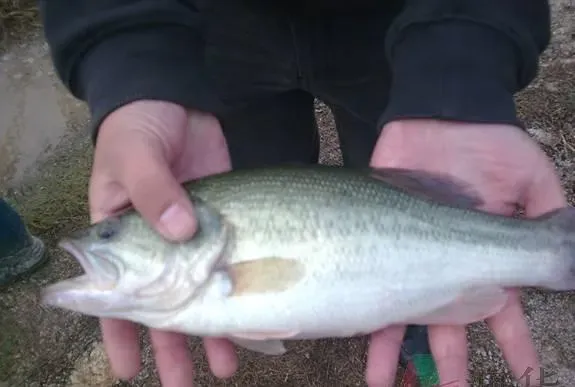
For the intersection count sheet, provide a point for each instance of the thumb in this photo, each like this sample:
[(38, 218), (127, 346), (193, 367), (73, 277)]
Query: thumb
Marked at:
[(154, 190)]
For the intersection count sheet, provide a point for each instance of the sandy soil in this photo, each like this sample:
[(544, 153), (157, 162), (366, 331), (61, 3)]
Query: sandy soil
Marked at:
[(44, 167)]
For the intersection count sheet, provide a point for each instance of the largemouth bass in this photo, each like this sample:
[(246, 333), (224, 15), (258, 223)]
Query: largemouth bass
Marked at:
[(313, 252)]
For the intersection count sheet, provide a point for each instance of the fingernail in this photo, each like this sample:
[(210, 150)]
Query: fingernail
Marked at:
[(178, 222)]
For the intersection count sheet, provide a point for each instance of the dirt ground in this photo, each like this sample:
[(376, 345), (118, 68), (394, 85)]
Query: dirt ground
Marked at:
[(47, 347)]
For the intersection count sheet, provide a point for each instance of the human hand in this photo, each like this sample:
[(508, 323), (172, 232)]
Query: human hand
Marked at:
[(507, 169), (144, 150)]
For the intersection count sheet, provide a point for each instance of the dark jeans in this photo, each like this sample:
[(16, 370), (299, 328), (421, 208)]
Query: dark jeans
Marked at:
[(267, 67), (13, 232)]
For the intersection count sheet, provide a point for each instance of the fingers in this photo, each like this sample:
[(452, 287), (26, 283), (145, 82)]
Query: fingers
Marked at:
[(513, 337), (121, 343), (221, 356), (449, 348), (173, 358), (383, 356)]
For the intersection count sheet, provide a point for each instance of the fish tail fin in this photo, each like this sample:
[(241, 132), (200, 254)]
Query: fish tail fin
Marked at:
[(563, 221)]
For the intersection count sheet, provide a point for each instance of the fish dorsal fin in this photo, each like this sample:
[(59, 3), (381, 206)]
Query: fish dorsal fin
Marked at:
[(435, 187), (265, 275)]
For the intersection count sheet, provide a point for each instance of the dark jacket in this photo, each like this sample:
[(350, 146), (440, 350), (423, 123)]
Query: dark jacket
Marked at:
[(112, 52)]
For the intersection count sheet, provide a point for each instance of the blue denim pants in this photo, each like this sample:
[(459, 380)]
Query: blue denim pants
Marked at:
[(13, 232)]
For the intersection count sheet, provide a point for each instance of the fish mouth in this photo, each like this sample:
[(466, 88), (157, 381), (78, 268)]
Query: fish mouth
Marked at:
[(80, 294), (92, 292), (98, 269), (71, 285)]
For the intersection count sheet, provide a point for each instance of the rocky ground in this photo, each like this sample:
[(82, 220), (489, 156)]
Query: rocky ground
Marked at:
[(44, 167)]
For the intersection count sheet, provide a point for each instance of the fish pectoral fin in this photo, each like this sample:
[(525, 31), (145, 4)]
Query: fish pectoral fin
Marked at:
[(473, 305), (265, 275), (435, 187), (268, 343)]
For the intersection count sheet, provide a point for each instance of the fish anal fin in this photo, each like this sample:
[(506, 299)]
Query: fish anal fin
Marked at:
[(436, 187), (473, 305), (265, 335), (267, 347), (265, 275)]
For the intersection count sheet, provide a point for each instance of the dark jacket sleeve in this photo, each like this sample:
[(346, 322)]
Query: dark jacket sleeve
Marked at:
[(463, 60), (112, 52)]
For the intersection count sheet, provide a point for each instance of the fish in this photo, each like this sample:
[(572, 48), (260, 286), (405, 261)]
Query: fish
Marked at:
[(296, 252)]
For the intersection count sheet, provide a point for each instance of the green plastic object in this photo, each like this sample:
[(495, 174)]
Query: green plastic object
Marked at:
[(425, 369)]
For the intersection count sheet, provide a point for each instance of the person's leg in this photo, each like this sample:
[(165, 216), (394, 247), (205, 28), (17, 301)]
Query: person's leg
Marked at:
[(348, 70), (20, 252), (278, 130), (251, 61)]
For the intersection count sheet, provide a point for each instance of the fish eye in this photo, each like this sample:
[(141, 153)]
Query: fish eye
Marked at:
[(108, 228)]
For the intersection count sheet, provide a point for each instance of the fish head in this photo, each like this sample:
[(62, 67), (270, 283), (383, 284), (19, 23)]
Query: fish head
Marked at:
[(131, 271)]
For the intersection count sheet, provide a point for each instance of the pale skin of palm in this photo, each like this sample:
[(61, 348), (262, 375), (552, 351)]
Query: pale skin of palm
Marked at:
[(169, 145)]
